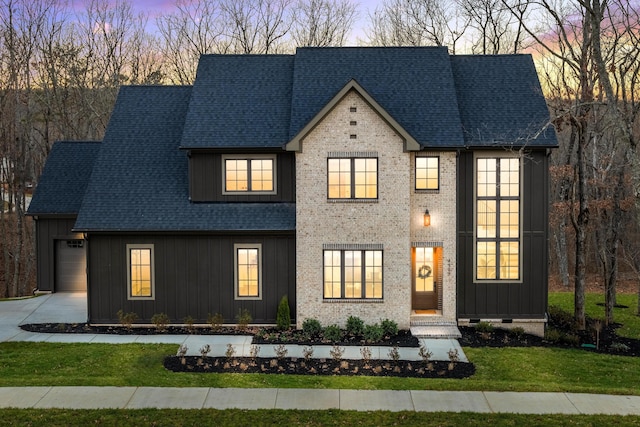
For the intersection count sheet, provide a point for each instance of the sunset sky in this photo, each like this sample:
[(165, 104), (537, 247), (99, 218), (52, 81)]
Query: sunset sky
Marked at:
[(158, 7)]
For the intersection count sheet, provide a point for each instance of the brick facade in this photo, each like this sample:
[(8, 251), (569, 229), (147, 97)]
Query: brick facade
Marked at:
[(392, 222)]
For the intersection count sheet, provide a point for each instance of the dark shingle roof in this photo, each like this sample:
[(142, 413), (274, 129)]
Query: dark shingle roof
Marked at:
[(413, 84), (501, 101), (140, 179), (64, 178), (240, 101)]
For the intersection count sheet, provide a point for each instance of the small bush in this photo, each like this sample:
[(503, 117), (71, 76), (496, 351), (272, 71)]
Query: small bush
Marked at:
[(425, 353), (311, 327), (619, 347), (243, 319), (373, 333), (484, 327), (389, 327), (394, 353), (561, 319), (552, 335), (283, 317), (126, 319), (215, 320), (355, 326), (189, 321), (281, 351), (332, 333), (230, 351), (307, 352), (517, 332), (160, 320), (336, 352)]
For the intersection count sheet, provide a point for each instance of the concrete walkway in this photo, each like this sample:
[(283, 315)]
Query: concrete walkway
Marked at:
[(71, 307), (316, 399)]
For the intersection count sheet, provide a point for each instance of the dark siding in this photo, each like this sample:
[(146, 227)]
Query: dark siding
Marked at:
[(506, 300), (205, 180), (48, 230), (194, 276)]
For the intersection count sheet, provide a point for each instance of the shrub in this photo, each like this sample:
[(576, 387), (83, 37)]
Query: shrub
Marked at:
[(425, 353), (311, 327), (373, 333), (619, 347), (552, 335), (160, 320), (336, 352), (332, 333), (394, 353), (189, 321), (517, 332), (281, 351), (283, 317), (561, 319), (243, 319), (484, 327), (215, 320), (126, 319), (355, 326), (389, 327)]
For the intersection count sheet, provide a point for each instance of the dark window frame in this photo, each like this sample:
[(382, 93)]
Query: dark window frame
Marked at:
[(363, 271), (352, 180)]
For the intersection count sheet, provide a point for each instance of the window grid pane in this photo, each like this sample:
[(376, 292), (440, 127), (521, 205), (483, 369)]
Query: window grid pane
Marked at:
[(366, 178), (248, 272), (348, 273), (427, 171), (262, 175), (498, 219), (140, 272), (355, 178), (339, 178), (236, 175)]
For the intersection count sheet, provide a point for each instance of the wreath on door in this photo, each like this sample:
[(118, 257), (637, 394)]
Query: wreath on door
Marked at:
[(424, 272)]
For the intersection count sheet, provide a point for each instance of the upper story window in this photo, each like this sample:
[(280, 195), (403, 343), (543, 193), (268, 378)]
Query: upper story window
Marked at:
[(352, 178), (140, 276), (497, 219), (427, 173), (249, 174)]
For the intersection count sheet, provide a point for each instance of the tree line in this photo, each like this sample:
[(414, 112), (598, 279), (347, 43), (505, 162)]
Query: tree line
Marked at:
[(61, 68)]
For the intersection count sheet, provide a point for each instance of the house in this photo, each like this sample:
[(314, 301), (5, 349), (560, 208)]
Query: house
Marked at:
[(399, 183)]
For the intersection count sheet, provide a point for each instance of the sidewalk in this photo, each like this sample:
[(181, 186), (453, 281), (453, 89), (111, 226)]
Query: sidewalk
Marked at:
[(316, 399), (71, 308)]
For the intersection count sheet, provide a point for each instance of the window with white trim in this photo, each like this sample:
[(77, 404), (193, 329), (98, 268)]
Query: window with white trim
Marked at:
[(497, 219), (140, 272), (352, 274)]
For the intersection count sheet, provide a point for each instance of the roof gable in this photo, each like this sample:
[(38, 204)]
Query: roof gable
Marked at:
[(413, 85), (295, 144), (64, 179)]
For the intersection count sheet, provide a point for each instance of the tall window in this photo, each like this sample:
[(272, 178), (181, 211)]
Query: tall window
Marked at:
[(427, 173), (140, 276), (248, 271), (249, 175), (352, 178), (498, 219), (352, 274)]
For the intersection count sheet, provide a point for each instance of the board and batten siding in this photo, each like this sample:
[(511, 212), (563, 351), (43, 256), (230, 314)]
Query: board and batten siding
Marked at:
[(506, 300), (48, 231), (206, 180), (194, 276)]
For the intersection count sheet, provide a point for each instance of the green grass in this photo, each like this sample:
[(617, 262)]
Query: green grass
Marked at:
[(235, 417), (626, 316), (498, 369)]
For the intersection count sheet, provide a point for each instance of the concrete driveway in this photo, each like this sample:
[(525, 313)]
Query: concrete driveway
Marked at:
[(61, 307)]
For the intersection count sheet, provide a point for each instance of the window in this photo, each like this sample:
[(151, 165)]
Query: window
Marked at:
[(252, 174), (352, 274), (352, 178), (248, 271), (427, 173), (497, 219), (140, 275)]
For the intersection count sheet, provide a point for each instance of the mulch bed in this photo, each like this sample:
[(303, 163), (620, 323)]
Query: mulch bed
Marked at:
[(299, 366)]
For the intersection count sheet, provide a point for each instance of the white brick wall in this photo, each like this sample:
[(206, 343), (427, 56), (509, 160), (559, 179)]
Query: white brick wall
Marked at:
[(394, 220)]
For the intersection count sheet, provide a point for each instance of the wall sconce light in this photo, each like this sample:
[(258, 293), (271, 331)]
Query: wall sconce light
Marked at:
[(427, 218)]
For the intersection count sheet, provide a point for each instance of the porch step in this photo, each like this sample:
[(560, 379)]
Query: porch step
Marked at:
[(430, 327)]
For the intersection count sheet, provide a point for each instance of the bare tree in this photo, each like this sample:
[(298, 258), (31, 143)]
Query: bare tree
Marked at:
[(322, 22), (257, 26), (196, 28)]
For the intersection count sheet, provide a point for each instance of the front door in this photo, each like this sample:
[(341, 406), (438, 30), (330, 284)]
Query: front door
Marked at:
[(425, 286)]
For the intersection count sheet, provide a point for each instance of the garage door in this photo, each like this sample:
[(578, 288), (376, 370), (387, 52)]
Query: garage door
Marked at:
[(71, 266)]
